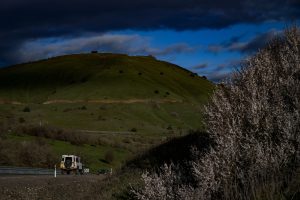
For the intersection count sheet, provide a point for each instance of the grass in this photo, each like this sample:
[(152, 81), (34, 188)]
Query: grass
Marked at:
[(147, 119), (171, 102), (97, 76), (93, 156)]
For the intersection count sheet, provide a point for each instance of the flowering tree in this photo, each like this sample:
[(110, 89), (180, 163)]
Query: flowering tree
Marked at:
[(254, 119)]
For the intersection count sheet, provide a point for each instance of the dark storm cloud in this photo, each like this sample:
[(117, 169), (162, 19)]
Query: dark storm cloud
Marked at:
[(248, 47), (22, 20), (256, 43)]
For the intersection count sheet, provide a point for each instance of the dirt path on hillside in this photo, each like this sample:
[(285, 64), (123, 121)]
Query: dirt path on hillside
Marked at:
[(106, 132), (98, 101), (10, 102), (113, 101)]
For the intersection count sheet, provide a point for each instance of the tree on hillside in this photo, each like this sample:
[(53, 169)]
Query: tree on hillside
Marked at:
[(254, 119)]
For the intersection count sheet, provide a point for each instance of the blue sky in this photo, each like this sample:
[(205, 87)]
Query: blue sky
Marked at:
[(209, 37), (201, 40)]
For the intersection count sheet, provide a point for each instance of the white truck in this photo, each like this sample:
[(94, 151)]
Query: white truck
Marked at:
[(71, 164)]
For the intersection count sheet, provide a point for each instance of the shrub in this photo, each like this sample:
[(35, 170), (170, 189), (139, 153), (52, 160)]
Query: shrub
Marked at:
[(174, 114), (127, 140), (109, 156), (151, 56), (100, 118), (254, 121), (103, 107), (21, 120), (36, 155), (84, 79), (258, 110), (67, 110), (83, 108), (193, 75), (26, 109), (133, 130), (75, 138)]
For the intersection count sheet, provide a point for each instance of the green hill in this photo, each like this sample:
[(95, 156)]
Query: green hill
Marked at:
[(90, 104), (99, 77)]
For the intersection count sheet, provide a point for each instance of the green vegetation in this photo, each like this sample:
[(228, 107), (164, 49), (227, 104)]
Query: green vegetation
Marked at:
[(100, 77), (105, 107), (15, 148)]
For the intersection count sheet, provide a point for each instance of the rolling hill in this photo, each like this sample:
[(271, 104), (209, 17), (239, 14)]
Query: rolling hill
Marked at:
[(100, 77), (126, 104)]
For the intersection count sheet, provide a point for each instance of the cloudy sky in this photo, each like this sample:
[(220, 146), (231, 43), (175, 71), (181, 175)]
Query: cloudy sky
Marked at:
[(209, 37)]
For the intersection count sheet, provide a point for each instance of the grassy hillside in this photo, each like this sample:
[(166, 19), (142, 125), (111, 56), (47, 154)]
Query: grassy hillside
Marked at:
[(100, 77), (128, 103)]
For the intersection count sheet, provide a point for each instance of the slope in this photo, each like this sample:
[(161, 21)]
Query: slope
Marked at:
[(100, 77)]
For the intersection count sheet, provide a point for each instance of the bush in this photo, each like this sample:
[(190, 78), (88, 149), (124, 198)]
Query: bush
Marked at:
[(133, 130), (36, 155), (26, 109), (193, 75), (127, 140), (21, 120), (78, 139), (75, 138), (258, 110), (109, 156), (100, 118), (254, 121), (151, 56), (83, 108), (28, 153), (67, 110)]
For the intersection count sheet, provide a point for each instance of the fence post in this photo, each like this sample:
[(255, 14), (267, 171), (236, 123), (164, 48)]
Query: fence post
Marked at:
[(55, 171)]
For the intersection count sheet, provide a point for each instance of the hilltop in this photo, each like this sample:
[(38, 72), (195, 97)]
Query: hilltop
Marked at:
[(100, 78)]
